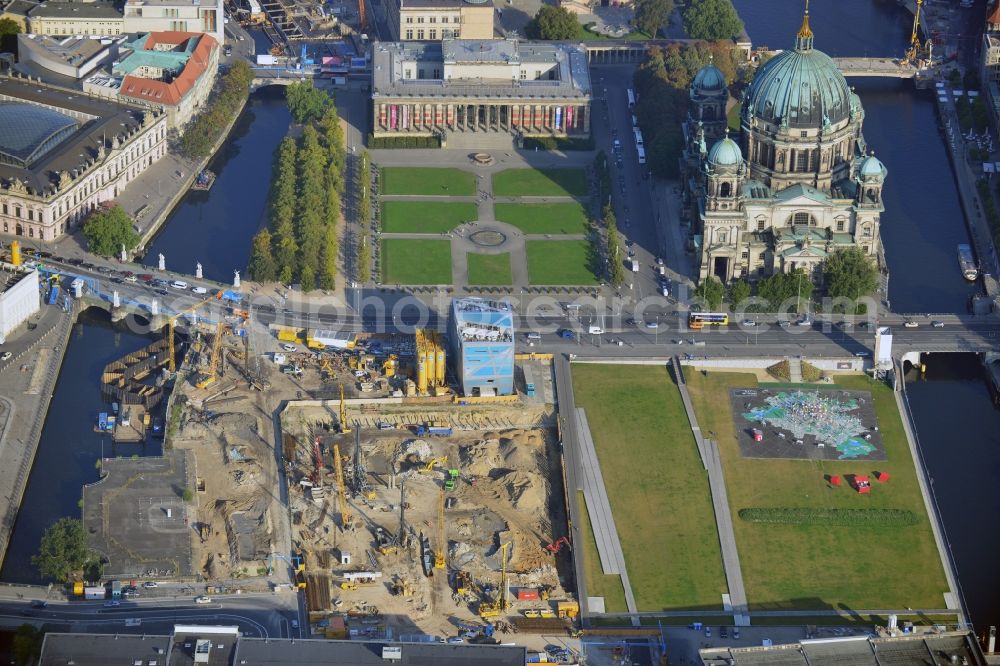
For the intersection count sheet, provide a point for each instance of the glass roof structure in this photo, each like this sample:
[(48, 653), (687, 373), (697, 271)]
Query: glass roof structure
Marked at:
[(28, 131)]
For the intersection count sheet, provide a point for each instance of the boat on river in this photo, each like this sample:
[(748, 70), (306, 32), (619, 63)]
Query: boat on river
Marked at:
[(204, 181), (967, 263)]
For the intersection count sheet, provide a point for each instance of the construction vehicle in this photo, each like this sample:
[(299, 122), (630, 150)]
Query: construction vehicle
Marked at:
[(344, 428), (442, 540), (386, 544), (567, 609), (401, 587), (345, 516), (390, 366), (209, 377), (434, 428), (558, 544), (499, 604), (349, 585), (432, 463), (172, 324), (451, 479)]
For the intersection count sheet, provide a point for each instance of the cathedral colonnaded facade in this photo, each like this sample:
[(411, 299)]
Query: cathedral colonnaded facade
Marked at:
[(798, 183)]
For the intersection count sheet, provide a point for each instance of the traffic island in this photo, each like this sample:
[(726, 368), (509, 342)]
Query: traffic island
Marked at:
[(137, 518)]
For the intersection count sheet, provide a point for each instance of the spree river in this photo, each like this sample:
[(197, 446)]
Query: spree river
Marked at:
[(956, 422)]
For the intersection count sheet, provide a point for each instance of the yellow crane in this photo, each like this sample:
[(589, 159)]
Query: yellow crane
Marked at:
[(343, 412), (209, 377), (172, 322), (442, 540), (913, 52), (345, 516), (499, 604)]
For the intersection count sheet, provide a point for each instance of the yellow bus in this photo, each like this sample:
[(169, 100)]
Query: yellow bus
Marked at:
[(701, 319)]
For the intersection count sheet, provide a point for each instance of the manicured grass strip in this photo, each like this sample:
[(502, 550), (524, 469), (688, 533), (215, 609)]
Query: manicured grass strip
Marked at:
[(821, 516), (416, 261), (823, 566), (560, 262), (540, 183), (598, 584), (549, 218), (418, 180), (489, 269), (656, 484), (425, 217)]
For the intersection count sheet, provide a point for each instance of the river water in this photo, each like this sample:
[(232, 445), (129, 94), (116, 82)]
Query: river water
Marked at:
[(956, 423), (216, 227), (69, 448)]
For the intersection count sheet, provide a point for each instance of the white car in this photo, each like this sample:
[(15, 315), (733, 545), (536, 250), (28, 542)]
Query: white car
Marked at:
[(130, 278), (652, 325), (203, 600), (5, 356), (199, 290), (288, 347), (748, 322), (910, 324), (937, 324), (179, 284)]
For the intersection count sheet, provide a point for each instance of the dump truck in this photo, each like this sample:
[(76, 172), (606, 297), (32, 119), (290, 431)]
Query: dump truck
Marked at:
[(435, 429)]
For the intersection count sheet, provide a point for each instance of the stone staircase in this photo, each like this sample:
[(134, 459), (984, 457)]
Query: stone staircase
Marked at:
[(795, 370)]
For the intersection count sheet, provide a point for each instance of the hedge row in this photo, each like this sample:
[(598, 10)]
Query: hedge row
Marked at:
[(819, 516), (558, 143), (404, 141)]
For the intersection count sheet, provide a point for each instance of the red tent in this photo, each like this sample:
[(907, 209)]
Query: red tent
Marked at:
[(835, 480), (882, 477), (862, 484)]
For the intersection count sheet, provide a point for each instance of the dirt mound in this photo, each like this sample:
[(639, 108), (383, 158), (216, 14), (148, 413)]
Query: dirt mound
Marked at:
[(524, 490), (482, 457), (416, 449)]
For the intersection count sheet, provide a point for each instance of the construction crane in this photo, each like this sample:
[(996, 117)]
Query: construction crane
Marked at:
[(344, 428), (442, 545), (359, 480), (317, 478), (915, 49), (402, 513), (209, 377), (499, 604), (172, 323), (345, 516), (362, 19)]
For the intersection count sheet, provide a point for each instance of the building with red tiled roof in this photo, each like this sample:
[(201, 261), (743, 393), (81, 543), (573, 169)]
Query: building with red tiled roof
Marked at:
[(175, 70)]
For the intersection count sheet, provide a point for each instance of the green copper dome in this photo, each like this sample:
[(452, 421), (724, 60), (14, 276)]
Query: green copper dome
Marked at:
[(709, 79), (725, 152), (800, 88), (872, 167)]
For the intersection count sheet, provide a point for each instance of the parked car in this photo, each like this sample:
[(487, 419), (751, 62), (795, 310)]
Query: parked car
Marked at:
[(146, 277), (179, 284), (5, 356), (131, 278), (161, 292), (288, 347)]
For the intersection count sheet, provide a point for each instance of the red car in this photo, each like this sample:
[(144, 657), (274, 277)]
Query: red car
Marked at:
[(146, 277), (758, 435)]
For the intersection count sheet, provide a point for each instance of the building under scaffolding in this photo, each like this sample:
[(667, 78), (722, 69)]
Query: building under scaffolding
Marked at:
[(482, 334)]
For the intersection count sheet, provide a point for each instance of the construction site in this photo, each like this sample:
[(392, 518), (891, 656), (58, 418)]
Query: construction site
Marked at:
[(410, 510)]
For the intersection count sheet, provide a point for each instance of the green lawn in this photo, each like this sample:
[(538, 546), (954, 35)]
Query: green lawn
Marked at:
[(425, 217), (489, 269), (418, 180), (819, 566), (733, 117), (540, 182), (656, 484), (546, 218), (416, 261), (598, 584), (559, 262)]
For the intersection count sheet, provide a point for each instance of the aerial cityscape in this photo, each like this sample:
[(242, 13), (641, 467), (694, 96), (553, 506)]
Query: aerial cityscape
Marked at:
[(631, 332)]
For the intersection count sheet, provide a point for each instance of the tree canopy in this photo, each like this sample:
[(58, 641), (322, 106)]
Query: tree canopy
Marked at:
[(27, 646), (63, 549), (850, 274), (739, 292), (9, 29), (650, 15), (785, 291), (712, 19), (306, 102), (201, 133), (553, 23), (710, 291), (108, 230)]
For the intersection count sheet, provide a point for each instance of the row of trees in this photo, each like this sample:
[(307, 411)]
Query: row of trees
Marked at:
[(849, 275), (662, 82), (558, 23), (300, 242), (616, 262), (232, 91), (107, 230)]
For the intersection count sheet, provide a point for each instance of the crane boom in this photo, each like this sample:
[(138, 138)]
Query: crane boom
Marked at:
[(343, 412), (502, 596), (213, 367), (172, 325), (442, 541), (345, 517)]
